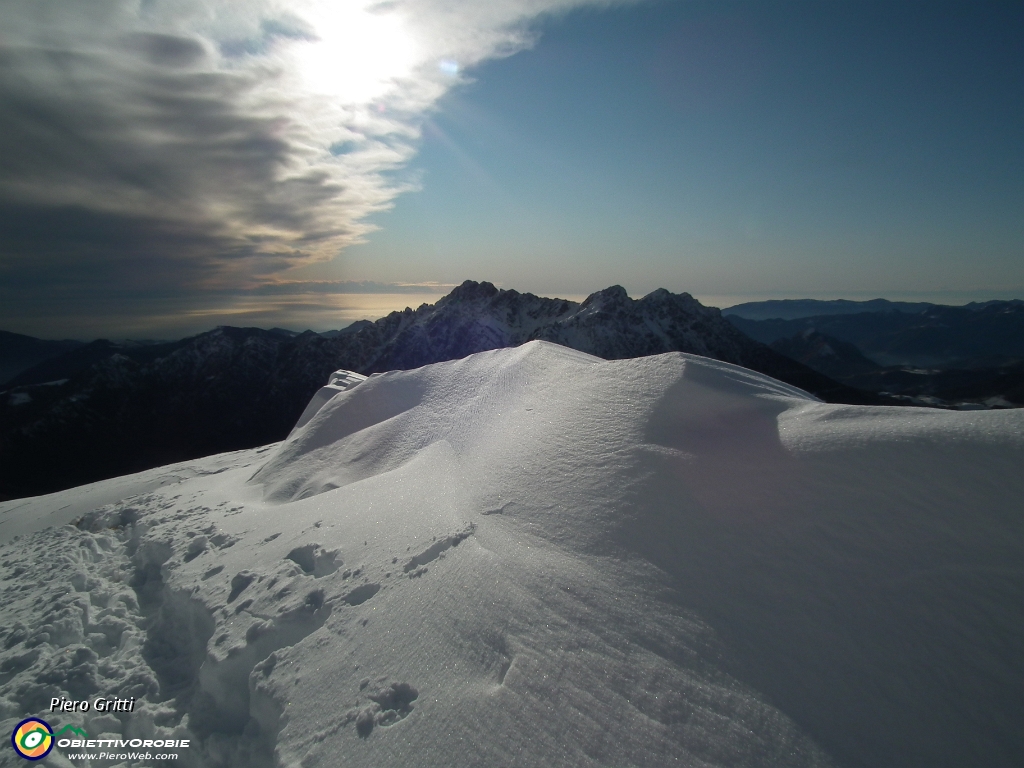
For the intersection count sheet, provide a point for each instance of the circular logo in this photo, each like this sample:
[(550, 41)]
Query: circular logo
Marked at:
[(33, 739)]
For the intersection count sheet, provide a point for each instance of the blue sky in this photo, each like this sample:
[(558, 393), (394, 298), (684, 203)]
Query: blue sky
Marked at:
[(731, 148), (246, 164)]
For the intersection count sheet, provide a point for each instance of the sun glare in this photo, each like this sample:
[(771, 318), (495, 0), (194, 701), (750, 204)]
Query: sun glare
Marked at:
[(358, 54)]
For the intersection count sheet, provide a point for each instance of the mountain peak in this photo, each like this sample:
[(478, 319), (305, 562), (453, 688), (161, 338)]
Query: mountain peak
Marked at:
[(471, 290), (612, 296), (662, 296)]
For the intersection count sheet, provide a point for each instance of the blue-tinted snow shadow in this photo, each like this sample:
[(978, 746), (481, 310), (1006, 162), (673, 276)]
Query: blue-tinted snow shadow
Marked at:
[(871, 591)]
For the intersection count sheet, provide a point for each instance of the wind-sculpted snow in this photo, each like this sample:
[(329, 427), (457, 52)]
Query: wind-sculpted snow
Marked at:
[(532, 556)]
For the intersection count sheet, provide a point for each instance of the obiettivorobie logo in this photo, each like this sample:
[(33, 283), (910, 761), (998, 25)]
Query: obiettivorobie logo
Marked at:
[(34, 738)]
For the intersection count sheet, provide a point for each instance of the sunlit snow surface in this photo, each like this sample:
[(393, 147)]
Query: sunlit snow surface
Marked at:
[(532, 557)]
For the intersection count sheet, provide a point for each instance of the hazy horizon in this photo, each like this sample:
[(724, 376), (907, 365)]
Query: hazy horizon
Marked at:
[(354, 307)]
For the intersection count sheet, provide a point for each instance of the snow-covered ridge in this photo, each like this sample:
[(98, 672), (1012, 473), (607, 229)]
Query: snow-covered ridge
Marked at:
[(195, 397), (533, 556), (339, 381)]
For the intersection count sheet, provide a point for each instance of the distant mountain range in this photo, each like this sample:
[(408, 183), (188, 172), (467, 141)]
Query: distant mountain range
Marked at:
[(93, 411), (795, 309), (939, 336), (931, 355)]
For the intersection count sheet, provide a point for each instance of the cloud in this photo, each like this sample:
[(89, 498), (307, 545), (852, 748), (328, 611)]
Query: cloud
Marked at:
[(203, 145), (306, 287)]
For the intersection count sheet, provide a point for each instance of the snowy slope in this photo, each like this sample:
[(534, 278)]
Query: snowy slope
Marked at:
[(535, 557)]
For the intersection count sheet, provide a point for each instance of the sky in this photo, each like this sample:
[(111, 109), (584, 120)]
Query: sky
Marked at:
[(170, 165)]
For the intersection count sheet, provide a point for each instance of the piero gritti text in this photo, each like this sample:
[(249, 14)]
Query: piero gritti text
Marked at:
[(97, 705)]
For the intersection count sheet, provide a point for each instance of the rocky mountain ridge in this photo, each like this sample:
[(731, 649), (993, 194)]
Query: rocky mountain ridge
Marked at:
[(235, 388)]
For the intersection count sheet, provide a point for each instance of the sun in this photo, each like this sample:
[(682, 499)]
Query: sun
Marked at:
[(358, 54)]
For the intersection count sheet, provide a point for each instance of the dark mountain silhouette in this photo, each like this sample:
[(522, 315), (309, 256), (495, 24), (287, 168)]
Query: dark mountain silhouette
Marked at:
[(970, 356), (979, 335), (19, 353), (826, 354), (795, 309)]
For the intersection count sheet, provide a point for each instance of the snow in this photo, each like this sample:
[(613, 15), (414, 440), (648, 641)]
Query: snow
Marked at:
[(339, 381), (535, 557)]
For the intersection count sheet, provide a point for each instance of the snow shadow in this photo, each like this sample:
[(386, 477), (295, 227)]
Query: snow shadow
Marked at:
[(235, 722), (872, 588), (360, 435)]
